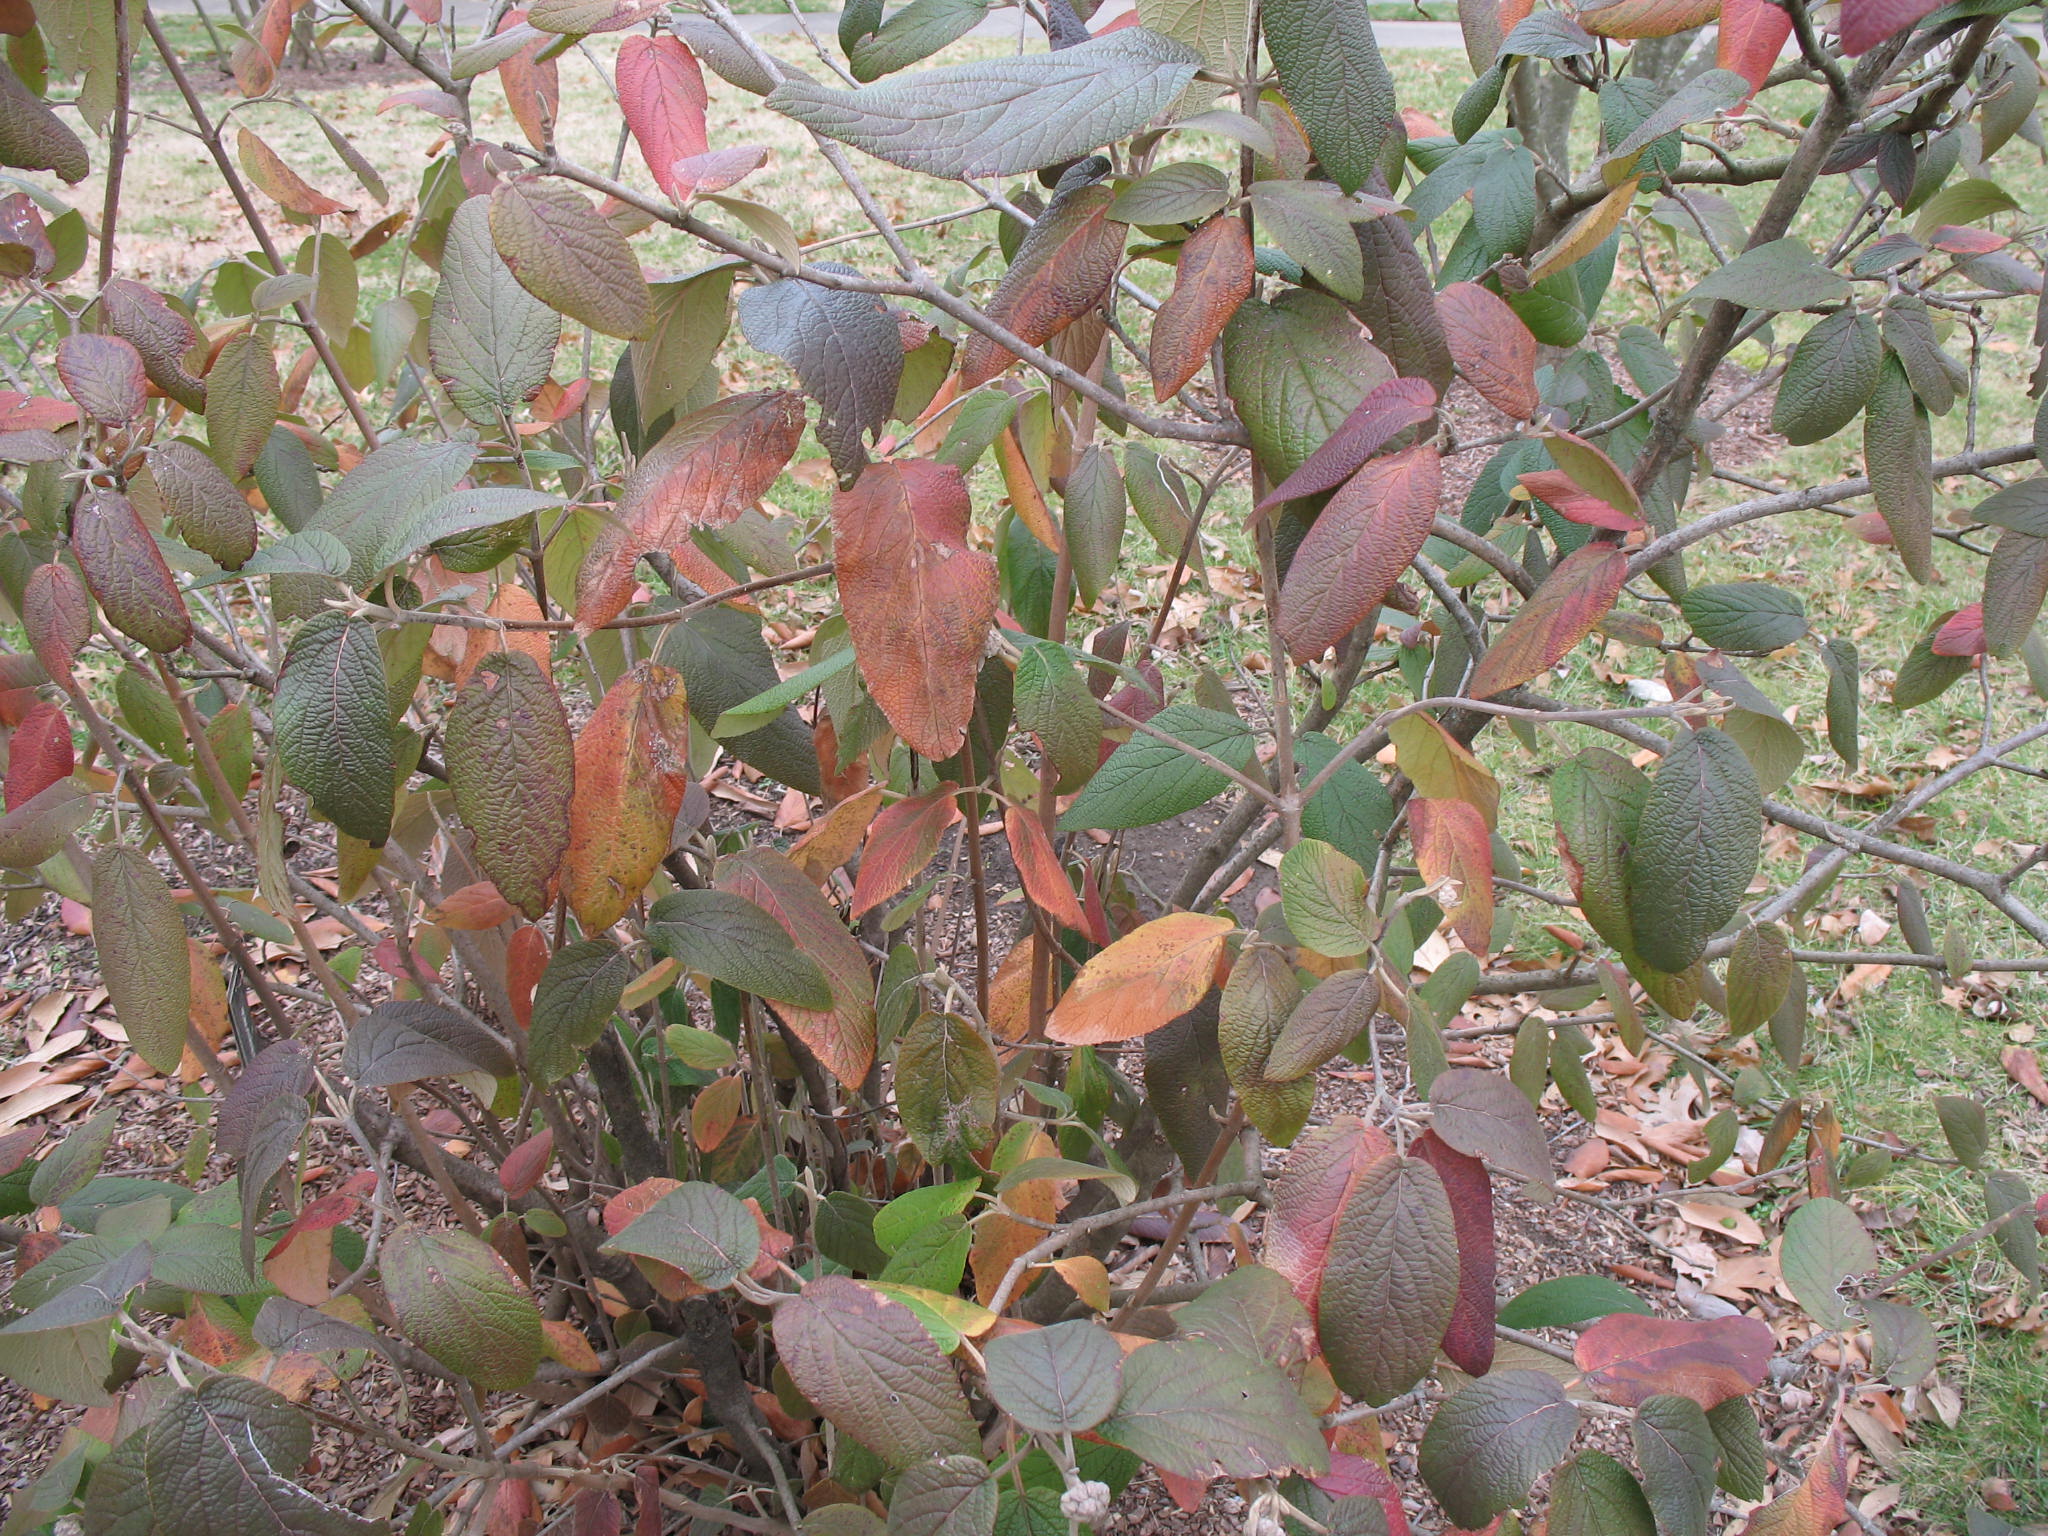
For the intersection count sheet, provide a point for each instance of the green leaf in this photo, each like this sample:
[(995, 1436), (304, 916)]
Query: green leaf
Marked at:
[(1324, 899), (1147, 780), (1845, 699), (1760, 973), (75, 1160), (1570, 1300), (1057, 1380), (1353, 811), (946, 1496), (576, 998), (1745, 1464), (140, 939), (1334, 79), (1390, 1279), (1488, 1443), (565, 254), (1296, 368), (1597, 1496), (1898, 455), (242, 393), (766, 706), (845, 347), (1825, 1246), (459, 513), (1744, 615), (1699, 98), (870, 1367), (932, 1259), (1780, 275), (1213, 28), (1316, 224), (1829, 379), (947, 1088), (893, 1225), (1904, 1348), (732, 940), (1005, 116), (1696, 848), (699, 1229), (492, 342), (1184, 192), (1053, 703), (2017, 1239), (724, 663), (403, 1041), (512, 769), (456, 1299), (1925, 676), (333, 727), (1964, 1125), (1322, 1024), (917, 31), (2022, 506), (1094, 511), (1197, 1410), (1676, 1449)]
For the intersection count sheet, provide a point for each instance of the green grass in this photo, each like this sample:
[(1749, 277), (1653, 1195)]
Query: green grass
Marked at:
[(1879, 1057)]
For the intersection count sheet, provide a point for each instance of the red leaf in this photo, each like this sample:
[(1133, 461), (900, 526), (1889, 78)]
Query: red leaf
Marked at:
[(1211, 279), (662, 95), (279, 182), (1045, 882), (1753, 34), (632, 766), (1629, 1358), (526, 957), (1491, 346), (1558, 491), (717, 169), (900, 843), (1323, 1167), (474, 908), (1866, 23), (525, 1163), (1452, 843), (1468, 1341), (1353, 1477), (1358, 548), (1961, 241), (1556, 617), (706, 470), (34, 413), (21, 224), (57, 613), (918, 600), (38, 754), (1962, 635), (321, 1215), (1394, 407), (1063, 268), (533, 88), (104, 375)]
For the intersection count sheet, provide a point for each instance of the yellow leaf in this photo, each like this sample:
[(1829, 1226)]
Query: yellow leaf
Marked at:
[(1143, 981)]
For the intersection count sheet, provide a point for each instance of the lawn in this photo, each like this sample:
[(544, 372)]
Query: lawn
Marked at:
[(1885, 1044)]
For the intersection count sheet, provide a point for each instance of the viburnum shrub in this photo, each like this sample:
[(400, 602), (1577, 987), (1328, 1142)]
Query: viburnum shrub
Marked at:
[(571, 1153)]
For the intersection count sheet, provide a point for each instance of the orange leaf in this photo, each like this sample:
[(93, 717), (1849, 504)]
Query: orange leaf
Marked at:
[(918, 600), (1752, 34), (1027, 497), (1045, 881), (1211, 279), (1143, 981), (1556, 617), (512, 602), (706, 470), (1816, 1506), (900, 843), (662, 96), (632, 765), (1088, 1277), (1452, 843), (473, 909), (837, 836), (566, 1344), (1491, 346), (1066, 263), (1646, 18), (2024, 1068), (1000, 1237), (715, 1111), (1358, 548), (526, 958), (1629, 1359), (279, 182)]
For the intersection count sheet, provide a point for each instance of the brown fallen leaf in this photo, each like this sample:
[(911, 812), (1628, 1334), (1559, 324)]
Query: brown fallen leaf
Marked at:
[(2024, 1067)]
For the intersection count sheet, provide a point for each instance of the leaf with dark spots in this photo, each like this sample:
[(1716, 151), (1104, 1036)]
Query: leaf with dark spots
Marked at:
[(846, 349)]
